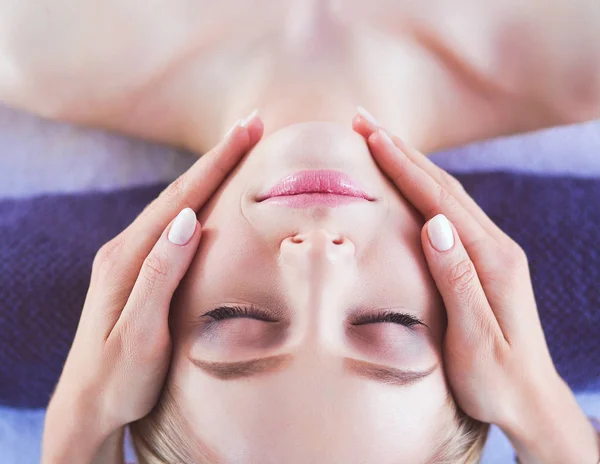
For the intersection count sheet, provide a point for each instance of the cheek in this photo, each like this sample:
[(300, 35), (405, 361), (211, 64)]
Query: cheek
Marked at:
[(394, 274)]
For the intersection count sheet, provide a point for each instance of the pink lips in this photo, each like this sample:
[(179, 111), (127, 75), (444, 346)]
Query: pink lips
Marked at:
[(310, 188)]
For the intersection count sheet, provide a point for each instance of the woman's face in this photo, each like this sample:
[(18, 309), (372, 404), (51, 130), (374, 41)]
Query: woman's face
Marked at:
[(310, 332)]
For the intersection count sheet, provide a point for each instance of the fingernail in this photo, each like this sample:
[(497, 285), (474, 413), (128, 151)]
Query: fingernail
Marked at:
[(236, 124), (440, 233), (248, 118), (183, 227), (368, 116)]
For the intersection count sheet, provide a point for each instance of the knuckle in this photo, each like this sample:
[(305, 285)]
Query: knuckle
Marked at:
[(514, 257), (462, 277), (450, 182), (444, 201), (176, 191), (156, 269), (108, 254)]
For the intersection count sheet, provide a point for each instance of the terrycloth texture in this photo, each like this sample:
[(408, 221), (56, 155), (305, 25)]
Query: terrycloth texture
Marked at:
[(49, 243)]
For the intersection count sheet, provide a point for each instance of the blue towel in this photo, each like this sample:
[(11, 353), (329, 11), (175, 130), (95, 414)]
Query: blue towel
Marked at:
[(49, 241)]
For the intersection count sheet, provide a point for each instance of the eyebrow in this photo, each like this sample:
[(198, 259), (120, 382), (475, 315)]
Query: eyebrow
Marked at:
[(254, 367), (242, 369), (387, 374)]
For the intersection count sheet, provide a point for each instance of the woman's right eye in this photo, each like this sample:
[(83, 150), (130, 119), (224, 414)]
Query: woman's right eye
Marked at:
[(231, 312)]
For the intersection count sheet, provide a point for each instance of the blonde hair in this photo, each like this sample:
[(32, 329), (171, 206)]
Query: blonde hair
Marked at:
[(464, 444), (162, 438)]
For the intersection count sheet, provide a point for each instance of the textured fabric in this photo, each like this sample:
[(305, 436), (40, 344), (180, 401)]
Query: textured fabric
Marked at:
[(48, 244)]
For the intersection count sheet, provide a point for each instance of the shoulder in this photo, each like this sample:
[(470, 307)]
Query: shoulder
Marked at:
[(543, 52)]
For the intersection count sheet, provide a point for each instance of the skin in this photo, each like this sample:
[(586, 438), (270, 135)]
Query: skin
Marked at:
[(106, 381), (494, 352), (483, 277), (438, 73), (308, 403)]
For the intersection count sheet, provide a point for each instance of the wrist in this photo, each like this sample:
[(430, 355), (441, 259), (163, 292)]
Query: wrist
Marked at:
[(550, 427), (74, 428)]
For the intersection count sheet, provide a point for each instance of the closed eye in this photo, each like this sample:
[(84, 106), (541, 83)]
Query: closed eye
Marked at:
[(235, 311), (225, 312), (388, 316)]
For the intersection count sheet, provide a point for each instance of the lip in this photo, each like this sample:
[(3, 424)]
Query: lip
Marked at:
[(321, 187)]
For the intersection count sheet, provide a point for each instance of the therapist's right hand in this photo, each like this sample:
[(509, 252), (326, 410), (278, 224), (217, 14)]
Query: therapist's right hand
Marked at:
[(117, 364), (495, 354)]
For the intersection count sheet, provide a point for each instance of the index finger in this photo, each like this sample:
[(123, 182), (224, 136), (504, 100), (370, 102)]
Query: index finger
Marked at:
[(426, 194), (190, 190), (366, 127)]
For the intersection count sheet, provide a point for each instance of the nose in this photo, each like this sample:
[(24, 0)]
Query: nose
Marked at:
[(318, 268), (316, 261), (317, 246)]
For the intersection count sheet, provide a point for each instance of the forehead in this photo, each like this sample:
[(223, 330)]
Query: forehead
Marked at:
[(323, 417)]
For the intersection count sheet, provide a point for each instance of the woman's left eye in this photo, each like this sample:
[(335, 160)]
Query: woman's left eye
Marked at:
[(232, 312), (388, 316)]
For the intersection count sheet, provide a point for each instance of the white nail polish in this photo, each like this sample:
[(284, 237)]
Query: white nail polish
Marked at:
[(248, 118), (183, 227), (368, 116), (440, 233), (237, 123)]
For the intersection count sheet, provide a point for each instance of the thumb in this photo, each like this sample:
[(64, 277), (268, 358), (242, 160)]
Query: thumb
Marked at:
[(456, 278), (148, 305)]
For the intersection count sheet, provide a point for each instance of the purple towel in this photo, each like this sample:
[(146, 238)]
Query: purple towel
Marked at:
[(48, 244)]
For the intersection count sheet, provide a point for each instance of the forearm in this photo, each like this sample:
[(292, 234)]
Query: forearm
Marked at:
[(73, 432), (552, 428)]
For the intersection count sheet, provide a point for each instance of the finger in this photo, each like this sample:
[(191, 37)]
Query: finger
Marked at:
[(456, 278), (194, 187), (366, 125), (147, 309), (425, 194), (191, 190)]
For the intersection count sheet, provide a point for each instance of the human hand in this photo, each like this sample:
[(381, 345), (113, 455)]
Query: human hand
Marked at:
[(121, 352), (495, 354)]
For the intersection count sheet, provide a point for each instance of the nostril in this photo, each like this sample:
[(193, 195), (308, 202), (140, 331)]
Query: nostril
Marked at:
[(297, 240), (338, 241)]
